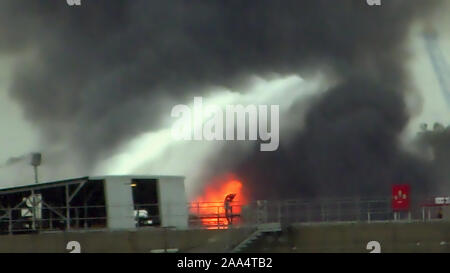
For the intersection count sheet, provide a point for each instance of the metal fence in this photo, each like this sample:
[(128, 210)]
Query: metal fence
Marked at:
[(336, 210), (310, 211), (212, 215), (29, 219)]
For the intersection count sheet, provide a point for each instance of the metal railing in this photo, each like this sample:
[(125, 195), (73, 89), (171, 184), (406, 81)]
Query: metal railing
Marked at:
[(29, 219), (335, 210), (212, 215), (52, 219)]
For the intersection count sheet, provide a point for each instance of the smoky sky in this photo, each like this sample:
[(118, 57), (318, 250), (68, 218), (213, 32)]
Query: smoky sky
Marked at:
[(95, 76), (349, 147)]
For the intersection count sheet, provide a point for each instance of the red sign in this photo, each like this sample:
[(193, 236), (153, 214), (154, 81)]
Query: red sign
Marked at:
[(400, 197)]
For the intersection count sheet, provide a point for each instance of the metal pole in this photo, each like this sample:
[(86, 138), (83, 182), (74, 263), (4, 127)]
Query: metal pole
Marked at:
[(33, 204), (85, 214), (35, 174), (33, 198), (10, 220), (50, 219), (218, 217), (67, 208), (77, 217)]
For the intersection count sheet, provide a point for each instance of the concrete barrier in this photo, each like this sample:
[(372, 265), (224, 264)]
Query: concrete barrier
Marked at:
[(138, 241), (336, 238), (353, 237)]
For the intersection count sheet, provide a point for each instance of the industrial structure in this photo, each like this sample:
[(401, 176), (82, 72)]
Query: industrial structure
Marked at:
[(151, 213), (108, 202)]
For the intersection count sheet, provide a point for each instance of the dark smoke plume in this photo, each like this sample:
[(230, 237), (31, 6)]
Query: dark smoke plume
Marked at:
[(349, 147), (14, 160), (97, 75), (436, 144)]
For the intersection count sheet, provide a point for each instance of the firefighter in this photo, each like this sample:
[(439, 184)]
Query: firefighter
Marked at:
[(228, 208)]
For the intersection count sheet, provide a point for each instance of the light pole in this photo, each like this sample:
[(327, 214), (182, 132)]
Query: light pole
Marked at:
[(36, 159)]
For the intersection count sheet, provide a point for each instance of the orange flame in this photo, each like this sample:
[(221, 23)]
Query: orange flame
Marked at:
[(209, 207)]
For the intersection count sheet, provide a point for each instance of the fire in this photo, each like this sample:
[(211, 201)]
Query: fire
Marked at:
[(209, 207)]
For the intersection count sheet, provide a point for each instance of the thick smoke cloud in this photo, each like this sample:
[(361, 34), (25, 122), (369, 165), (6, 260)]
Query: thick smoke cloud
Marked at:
[(97, 75), (349, 147), (436, 144)]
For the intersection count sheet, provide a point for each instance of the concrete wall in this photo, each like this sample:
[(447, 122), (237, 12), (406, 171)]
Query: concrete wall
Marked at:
[(393, 237), (141, 241), (338, 238)]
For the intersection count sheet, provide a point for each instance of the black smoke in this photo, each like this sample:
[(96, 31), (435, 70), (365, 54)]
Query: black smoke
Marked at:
[(349, 146), (94, 76)]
